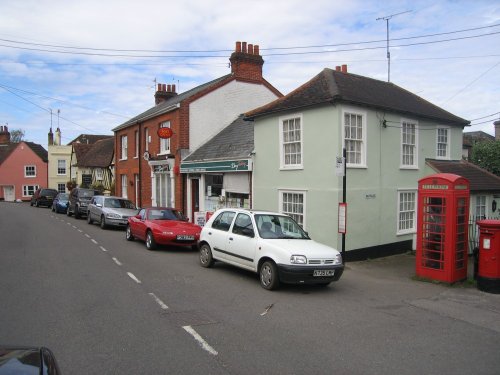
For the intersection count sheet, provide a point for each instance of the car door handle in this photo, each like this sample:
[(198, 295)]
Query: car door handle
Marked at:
[(209, 233), (230, 238)]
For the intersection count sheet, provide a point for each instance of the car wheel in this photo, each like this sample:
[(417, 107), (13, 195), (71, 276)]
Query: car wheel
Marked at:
[(103, 222), (150, 241), (206, 258), (268, 273), (77, 212), (89, 219), (128, 234)]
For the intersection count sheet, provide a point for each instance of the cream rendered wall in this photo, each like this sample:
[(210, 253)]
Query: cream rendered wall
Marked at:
[(56, 153), (213, 112)]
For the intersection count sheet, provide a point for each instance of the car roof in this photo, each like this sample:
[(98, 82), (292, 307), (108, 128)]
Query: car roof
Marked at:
[(251, 211)]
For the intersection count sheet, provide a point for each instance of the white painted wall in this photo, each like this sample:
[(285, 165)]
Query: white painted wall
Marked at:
[(213, 112)]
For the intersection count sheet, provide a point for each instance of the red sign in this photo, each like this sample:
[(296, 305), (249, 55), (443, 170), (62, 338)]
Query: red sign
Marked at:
[(165, 133)]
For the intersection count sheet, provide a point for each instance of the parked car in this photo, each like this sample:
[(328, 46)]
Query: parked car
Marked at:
[(270, 244), (60, 203), (79, 199), (162, 226), (43, 197), (27, 360), (113, 211)]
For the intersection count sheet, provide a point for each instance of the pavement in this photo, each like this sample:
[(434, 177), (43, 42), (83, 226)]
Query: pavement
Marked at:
[(462, 300)]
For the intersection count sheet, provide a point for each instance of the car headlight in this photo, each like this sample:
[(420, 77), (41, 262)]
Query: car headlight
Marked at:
[(298, 259), (337, 259), (113, 216)]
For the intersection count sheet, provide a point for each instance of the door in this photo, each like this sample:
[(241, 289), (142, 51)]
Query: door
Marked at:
[(8, 193), (242, 241), (195, 196), (218, 234)]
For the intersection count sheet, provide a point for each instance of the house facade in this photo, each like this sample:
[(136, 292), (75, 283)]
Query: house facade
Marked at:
[(387, 132), (59, 157), (148, 167), (23, 168)]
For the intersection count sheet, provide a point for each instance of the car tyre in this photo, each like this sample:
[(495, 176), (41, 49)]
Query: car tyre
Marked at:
[(206, 258), (103, 222), (268, 275), (150, 241), (89, 219), (77, 212), (128, 234)]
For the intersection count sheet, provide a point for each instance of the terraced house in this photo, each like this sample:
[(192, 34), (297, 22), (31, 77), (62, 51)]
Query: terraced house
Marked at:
[(148, 167)]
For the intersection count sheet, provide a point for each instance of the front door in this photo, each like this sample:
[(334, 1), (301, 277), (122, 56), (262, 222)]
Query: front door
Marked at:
[(8, 193), (195, 196)]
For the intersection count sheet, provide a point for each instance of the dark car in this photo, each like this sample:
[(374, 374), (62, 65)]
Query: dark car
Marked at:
[(27, 360), (60, 203), (43, 197), (79, 199)]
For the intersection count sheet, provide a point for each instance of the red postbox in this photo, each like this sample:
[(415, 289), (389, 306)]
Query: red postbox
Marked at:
[(488, 275), (443, 208)]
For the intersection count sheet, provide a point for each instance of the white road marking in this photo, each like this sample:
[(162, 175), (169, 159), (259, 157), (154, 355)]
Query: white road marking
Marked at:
[(79, 230), (200, 340), (159, 301), (131, 275), (118, 262), (102, 248), (87, 235), (94, 241), (68, 223), (74, 226)]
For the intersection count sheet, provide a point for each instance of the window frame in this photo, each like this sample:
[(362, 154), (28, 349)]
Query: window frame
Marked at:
[(136, 152), (362, 140), (26, 190), (32, 169), (399, 221), (146, 139), (480, 205), (124, 147), (61, 187), (299, 217), (99, 174), (124, 183), (414, 154), (165, 142), (438, 143), (300, 142), (59, 168)]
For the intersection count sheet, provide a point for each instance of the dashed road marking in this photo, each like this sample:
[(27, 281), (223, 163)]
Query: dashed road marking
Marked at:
[(159, 301), (102, 248), (74, 226), (79, 230), (118, 262), (132, 276), (200, 340), (94, 241), (87, 235)]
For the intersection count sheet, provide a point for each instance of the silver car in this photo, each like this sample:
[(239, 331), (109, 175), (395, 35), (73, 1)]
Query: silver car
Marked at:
[(110, 211)]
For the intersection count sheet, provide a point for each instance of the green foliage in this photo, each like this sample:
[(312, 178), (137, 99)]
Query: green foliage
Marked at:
[(98, 186), (487, 156)]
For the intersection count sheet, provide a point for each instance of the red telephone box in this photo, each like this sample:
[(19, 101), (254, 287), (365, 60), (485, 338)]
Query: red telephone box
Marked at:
[(442, 232)]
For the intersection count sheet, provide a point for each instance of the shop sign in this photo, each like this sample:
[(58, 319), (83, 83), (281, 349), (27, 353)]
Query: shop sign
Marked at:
[(165, 133), (217, 166)]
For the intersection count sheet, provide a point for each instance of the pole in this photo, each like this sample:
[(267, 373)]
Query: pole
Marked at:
[(344, 185)]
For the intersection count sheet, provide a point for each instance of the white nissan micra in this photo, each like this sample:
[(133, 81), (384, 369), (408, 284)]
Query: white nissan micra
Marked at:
[(270, 244)]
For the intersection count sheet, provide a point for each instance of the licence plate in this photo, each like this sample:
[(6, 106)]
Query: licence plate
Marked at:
[(324, 272), (184, 237)]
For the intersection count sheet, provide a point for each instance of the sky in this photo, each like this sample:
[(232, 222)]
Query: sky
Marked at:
[(89, 66)]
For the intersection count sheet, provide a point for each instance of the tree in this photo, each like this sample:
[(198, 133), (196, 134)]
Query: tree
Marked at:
[(16, 135), (487, 156)]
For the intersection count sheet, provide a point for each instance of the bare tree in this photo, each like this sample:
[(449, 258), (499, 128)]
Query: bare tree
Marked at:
[(16, 135)]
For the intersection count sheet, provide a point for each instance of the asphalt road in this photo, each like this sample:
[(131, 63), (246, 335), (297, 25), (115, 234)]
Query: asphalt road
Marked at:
[(107, 306)]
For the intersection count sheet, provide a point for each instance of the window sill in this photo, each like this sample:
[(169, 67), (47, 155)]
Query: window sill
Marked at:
[(294, 168), (356, 166), (413, 231), (122, 159), (408, 167)]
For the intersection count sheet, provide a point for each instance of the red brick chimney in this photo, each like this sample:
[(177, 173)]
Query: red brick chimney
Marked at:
[(246, 62), (164, 93), (342, 68), (4, 135)]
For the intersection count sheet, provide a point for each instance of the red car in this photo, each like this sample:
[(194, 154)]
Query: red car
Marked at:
[(162, 226)]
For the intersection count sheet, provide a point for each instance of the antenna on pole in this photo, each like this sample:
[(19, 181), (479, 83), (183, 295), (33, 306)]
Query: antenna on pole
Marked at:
[(386, 19)]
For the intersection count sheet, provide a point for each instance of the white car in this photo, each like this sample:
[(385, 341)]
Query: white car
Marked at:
[(270, 244)]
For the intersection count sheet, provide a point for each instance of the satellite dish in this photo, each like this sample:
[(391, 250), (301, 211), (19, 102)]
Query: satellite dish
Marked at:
[(146, 155)]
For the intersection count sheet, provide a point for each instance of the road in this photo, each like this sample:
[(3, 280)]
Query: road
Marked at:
[(108, 306)]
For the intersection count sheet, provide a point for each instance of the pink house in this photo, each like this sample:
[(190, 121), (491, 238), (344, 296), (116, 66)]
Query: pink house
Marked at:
[(23, 168)]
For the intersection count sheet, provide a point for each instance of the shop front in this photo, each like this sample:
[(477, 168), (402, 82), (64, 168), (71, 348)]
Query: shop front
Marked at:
[(216, 184)]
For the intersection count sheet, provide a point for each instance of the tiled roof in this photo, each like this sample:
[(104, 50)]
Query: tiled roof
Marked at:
[(99, 155), (234, 141), (479, 178), (89, 138), (478, 136), (6, 150), (331, 86), (167, 105), (81, 149)]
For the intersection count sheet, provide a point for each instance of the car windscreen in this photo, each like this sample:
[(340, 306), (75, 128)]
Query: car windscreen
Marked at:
[(118, 203), (63, 196), (48, 192), (87, 193), (272, 226), (165, 215)]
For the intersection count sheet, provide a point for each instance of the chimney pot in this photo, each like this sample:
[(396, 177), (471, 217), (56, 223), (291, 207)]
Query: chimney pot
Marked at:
[(173, 88), (244, 47), (256, 49), (250, 49), (169, 88), (164, 87), (159, 87), (238, 46), (344, 68), (337, 68)]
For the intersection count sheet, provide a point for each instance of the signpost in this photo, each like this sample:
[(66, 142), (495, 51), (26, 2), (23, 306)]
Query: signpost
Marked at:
[(340, 170)]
